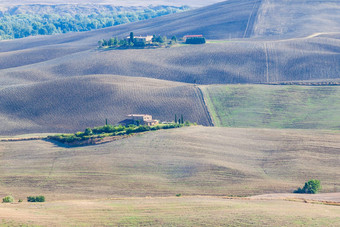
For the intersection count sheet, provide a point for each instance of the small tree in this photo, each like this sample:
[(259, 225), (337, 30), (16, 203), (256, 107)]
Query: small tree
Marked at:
[(8, 199), (182, 119), (132, 37), (115, 41), (310, 187), (174, 39), (88, 132), (111, 42)]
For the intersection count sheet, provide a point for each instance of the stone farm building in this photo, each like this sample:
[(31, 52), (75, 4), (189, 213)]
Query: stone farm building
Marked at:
[(139, 119), (139, 39), (191, 36)]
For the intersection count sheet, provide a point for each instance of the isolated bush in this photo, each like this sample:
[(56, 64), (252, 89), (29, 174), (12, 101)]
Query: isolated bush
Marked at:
[(8, 199), (310, 187), (20, 201), (34, 199)]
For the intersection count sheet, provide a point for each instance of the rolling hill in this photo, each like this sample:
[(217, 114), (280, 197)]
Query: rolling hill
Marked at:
[(192, 161), (264, 106), (72, 104), (243, 47)]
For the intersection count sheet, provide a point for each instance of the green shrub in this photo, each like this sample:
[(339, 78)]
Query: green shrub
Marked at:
[(20, 201), (310, 187), (179, 195), (34, 199), (8, 199)]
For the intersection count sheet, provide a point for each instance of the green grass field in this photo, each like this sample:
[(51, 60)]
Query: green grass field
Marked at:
[(265, 106)]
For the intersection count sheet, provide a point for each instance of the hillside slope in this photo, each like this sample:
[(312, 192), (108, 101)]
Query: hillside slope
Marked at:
[(263, 106), (31, 68), (291, 18), (215, 63), (68, 105), (192, 161), (253, 61), (229, 19)]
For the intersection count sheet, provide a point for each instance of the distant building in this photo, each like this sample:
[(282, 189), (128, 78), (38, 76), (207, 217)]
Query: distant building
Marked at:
[(139, 119), (146, 39), (191, 36)]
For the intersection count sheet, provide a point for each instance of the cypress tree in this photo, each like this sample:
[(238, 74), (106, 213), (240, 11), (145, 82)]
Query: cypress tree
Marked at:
[(131, 37), (182, 118), (175, 118)]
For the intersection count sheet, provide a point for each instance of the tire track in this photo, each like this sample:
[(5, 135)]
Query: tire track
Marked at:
[(251, 21), (204, 105)]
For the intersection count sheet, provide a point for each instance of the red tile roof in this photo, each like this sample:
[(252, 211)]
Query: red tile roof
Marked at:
[(192, 36)]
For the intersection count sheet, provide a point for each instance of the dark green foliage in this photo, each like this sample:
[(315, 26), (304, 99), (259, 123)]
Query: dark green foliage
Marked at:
[(110, 130), (159, 39), (34, 199), (23, 25), (175, 118), (174, 39), (195, 40), (132, 39), (88, 132), (310, 187), (8, 199), (139, 44)]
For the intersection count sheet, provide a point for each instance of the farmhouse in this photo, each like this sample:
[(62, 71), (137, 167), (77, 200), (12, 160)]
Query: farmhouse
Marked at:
[(191, 36), (139, 119), (138, 39)]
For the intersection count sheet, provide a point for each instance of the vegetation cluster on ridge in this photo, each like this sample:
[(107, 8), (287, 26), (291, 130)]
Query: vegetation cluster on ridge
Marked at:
[(111, 130)]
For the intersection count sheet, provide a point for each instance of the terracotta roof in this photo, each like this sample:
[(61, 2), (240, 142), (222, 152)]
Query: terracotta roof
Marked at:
[(193, 36), (138, 115)]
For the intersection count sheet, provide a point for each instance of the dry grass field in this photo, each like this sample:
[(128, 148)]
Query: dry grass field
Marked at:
[(170, 211), (192, 161), (73, 104), (62, 83), (134, 181)]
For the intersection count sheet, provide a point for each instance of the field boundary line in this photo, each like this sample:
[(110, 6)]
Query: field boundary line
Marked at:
[(267, 61), (204, 105), (20, 139), (251, 16)]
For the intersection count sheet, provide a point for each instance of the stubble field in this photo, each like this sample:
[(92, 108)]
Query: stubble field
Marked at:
[(134, 181)]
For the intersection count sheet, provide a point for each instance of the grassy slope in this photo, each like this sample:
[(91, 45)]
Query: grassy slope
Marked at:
[(187, 211), (71, 104), (191, 161), (274, 106)]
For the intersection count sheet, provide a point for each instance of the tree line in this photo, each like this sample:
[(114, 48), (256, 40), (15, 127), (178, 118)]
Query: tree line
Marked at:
[(23, 25)]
